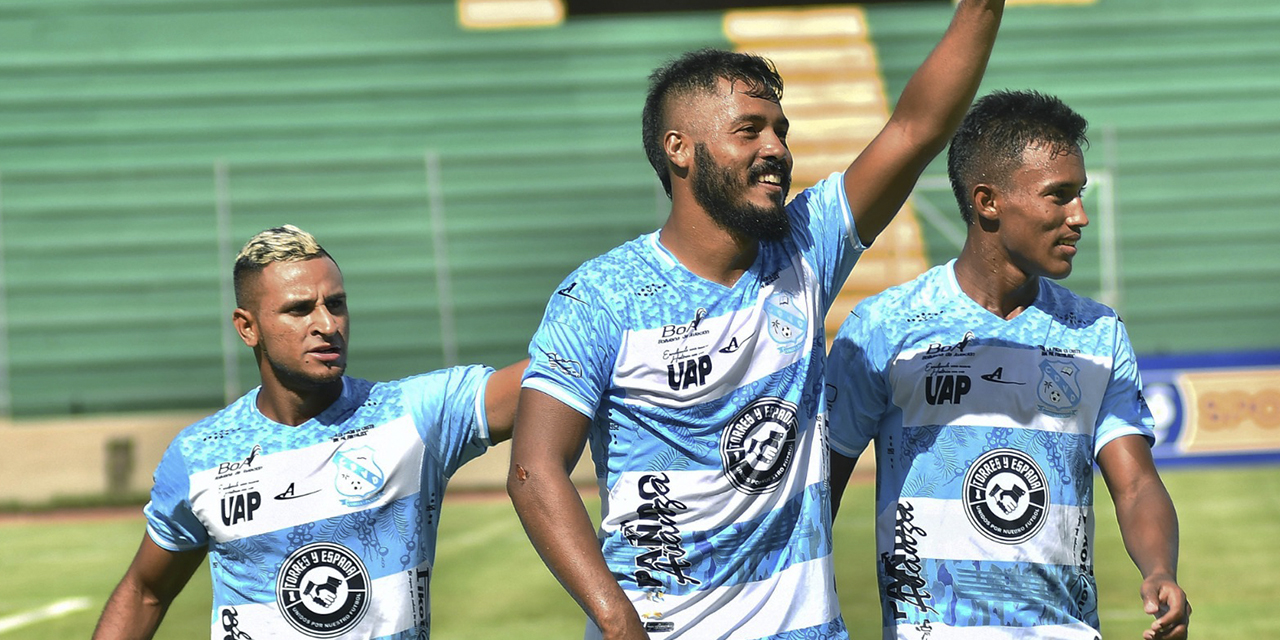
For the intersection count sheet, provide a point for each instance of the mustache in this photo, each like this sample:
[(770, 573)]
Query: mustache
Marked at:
[(770, 165)]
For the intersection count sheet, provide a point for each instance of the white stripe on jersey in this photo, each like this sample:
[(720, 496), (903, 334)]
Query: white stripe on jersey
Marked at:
[(396, 602), (984, 385), (940, 631), (707, 503), (785, 602), (952, 537), (707, 358), (252, 499)]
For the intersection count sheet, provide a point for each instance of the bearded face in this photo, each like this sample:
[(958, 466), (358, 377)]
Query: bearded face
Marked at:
[(723, 193)]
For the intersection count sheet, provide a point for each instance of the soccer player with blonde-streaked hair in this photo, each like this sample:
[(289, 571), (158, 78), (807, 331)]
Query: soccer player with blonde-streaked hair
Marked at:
[(316, 496)]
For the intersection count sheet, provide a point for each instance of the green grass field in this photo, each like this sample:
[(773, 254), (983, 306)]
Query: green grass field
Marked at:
[(490, 584)]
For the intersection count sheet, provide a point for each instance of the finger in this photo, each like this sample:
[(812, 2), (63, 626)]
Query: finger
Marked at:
[(1150, 599), (1177, 609)]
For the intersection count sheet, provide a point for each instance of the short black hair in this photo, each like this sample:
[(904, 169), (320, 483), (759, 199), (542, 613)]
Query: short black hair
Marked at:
[(999, 127), (699, 72)]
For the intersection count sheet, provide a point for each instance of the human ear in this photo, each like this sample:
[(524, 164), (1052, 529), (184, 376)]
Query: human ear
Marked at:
[(985, 200), (679, 150), (246, 326)]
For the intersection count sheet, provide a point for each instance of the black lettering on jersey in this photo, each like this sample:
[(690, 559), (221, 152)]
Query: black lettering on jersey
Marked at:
[(902, 568), (686, 373), (654, 529), (231, 625), (948, 388), (240, 507)]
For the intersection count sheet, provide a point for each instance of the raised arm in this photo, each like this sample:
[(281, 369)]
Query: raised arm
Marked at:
[(500, 396), (152, 581), (928, 112), (1149, 526), (549, 438)]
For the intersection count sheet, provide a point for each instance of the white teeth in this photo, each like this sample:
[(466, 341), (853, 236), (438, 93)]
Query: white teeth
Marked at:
[(770, 179)]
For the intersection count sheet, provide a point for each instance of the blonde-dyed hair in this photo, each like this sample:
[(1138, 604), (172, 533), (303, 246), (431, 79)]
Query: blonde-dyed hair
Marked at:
[(277, 244)]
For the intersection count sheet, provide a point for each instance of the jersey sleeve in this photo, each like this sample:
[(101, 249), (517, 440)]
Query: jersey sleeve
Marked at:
[(857, 371), (448, 407), (170, 522), (571, 355), (823, 226), (1123, 411)]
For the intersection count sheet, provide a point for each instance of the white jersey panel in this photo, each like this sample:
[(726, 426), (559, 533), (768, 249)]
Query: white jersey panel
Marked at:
[(340, 472), (683, 365), (952, 536), (385, 617), (740, 612), (941, 631)]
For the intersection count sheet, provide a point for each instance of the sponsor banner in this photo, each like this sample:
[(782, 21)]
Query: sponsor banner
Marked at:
[(1214, 408)]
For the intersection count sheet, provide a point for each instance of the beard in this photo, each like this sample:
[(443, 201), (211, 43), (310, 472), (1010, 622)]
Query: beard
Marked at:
[(721, 193)]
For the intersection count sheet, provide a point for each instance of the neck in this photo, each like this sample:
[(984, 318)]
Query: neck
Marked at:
[(293, 406), (704, 248), (994, 282)]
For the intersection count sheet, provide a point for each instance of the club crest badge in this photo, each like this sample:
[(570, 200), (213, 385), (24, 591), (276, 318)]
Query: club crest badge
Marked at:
[(1059, 388), (788, 325), (359, 479)]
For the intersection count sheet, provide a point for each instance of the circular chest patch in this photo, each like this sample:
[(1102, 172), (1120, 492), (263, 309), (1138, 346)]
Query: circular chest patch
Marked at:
[(758, 445), (323, 590), (1005, 496)]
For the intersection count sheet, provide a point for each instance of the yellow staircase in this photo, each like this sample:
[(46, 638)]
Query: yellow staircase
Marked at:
[(835, 99)]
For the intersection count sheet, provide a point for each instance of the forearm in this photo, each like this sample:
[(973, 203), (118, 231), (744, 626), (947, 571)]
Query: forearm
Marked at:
[(560, 529), (1149, 527), (940, 91), (130, 614)]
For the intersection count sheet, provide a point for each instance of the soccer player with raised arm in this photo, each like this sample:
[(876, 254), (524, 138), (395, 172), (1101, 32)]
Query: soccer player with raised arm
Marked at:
[(990, 392), (692, 359)]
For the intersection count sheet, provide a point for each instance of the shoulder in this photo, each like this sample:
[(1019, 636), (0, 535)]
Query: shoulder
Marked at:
[(826, 193), (918, 300), (228, 428), (613, 279), (442, 380), (1074, 310)]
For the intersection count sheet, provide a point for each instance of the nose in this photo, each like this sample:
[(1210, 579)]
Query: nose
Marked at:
[(774, 146), (323, 321), (1076, 217)]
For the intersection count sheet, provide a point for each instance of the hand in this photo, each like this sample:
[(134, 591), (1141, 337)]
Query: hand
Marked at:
[(1164, 599)]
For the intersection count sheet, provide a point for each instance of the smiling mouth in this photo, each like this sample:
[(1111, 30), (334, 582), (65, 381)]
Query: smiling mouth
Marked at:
[(771, 179)]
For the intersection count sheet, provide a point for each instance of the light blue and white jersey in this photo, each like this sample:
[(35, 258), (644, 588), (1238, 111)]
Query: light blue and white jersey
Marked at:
[(327, 529), (986, 432), (708, 426)]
